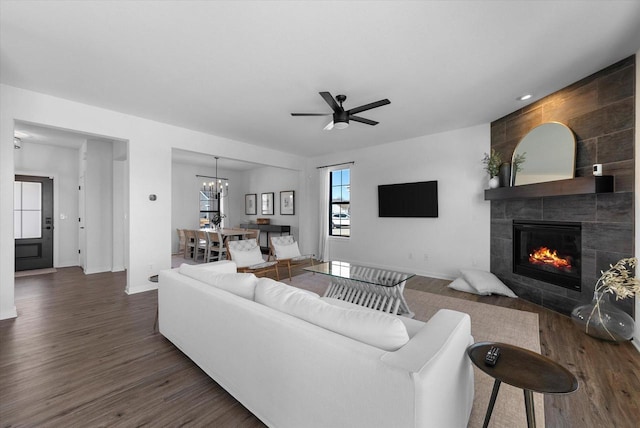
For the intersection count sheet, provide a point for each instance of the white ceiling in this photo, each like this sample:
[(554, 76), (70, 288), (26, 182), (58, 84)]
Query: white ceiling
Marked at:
[(30, 133), (237, 69)]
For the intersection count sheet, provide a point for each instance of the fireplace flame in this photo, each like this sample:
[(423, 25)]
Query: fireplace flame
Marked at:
[(545, 256)]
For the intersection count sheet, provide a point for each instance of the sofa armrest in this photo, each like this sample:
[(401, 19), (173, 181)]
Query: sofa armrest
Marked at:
[(433, 339), (437, 361)]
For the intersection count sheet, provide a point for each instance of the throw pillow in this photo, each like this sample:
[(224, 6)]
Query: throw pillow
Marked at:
[(486, 282), (247, 258), (461, 285), (287, 251)]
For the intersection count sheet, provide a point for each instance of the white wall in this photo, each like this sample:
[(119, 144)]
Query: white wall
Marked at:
[(62, 164), (274, 180), (149, 166), (99, 198), (459, 237)]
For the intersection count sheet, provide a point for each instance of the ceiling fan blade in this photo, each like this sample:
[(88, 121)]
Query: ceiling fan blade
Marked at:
[(311, 114), (330, 100), (329, 126), (363, 120), (369, 106)]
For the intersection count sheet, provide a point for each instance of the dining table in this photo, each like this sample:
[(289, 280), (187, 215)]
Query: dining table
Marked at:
[(229, 232)]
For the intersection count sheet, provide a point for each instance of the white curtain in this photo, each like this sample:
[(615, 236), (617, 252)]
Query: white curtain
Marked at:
[(323, 239)]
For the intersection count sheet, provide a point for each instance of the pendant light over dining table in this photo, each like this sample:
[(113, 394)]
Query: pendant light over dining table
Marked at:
[(218, 187)]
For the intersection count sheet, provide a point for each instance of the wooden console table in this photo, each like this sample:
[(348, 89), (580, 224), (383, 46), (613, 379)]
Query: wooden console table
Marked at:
[(268, 228)]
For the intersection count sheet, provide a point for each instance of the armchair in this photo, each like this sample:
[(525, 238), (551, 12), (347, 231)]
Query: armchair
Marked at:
[(248, 257), (285, 250)]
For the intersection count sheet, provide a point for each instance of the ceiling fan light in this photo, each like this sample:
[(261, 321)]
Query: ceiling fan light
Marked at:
[(340, 125)]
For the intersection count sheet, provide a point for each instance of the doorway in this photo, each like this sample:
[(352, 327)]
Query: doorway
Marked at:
[(33, 222)]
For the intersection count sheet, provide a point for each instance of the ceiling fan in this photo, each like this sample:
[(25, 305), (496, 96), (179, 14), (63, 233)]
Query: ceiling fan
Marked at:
[(341, 117)]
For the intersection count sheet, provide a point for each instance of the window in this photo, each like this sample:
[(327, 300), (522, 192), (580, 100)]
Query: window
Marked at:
[(27, 210), (339, 202)]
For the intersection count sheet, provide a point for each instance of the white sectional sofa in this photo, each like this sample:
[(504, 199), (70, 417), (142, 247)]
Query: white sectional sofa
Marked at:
[(297, 360)]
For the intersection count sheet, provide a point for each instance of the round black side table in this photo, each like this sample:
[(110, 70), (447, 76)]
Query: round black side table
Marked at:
[(524, 369)]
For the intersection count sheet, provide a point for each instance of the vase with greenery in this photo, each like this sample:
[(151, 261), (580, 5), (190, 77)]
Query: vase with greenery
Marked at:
[(516, 166), (601, 318), (492, 162), (217, 219)]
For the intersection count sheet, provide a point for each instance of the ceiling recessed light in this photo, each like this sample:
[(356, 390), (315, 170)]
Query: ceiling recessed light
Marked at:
[(524, 97)]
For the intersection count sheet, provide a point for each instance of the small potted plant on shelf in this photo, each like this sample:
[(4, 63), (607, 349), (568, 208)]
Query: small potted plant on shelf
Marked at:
[(492, 162), (516, 167)]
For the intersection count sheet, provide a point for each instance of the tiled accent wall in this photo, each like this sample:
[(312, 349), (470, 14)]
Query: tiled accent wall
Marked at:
[(600, 110)]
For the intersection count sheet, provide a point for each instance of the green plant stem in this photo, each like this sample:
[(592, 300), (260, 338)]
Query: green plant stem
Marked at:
[(597, 307)]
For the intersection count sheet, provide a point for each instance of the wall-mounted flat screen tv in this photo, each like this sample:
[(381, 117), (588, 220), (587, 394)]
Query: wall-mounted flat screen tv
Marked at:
[(408, 199)]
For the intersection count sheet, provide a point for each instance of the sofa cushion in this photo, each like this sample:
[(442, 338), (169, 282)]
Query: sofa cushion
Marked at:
[(226, 266), (240, 284), (278, 295), (412, 325), (374, 328)]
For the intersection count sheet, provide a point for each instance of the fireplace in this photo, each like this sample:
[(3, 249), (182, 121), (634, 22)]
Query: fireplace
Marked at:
[(548, 251)]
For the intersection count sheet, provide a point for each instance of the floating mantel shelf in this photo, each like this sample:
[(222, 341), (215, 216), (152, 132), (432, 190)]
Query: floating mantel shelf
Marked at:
[(572, 186)]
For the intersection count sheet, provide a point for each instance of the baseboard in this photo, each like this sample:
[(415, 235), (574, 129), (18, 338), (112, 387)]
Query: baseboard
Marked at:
[(67, 264), (636, 343), (11, 313), (141, 289), (97, 270), (118, 269)]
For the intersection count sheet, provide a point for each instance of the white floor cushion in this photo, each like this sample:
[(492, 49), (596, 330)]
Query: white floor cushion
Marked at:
[(486, 282), (460, 284)]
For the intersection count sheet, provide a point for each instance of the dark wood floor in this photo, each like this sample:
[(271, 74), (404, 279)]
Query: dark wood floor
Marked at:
[(83, 353)]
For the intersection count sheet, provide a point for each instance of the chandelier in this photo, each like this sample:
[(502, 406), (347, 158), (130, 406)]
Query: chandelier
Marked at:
[(217, 187)]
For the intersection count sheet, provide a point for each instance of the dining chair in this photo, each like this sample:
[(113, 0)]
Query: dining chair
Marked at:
[(216, 250), (252, 234), (189, 243), (202, 244), (181, 241), (248, 258), (286, 251)]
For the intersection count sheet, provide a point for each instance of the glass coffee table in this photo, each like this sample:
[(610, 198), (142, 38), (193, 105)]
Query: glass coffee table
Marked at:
[(370, 287)]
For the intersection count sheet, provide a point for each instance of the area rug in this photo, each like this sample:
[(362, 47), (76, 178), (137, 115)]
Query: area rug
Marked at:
[(488, 323)]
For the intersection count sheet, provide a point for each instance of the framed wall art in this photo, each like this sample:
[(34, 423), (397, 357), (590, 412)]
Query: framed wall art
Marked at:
[(267, 203), (250, 204), (287, 202)]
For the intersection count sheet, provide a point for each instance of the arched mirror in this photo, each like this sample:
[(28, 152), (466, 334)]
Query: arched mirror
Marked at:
[(549, 153)]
